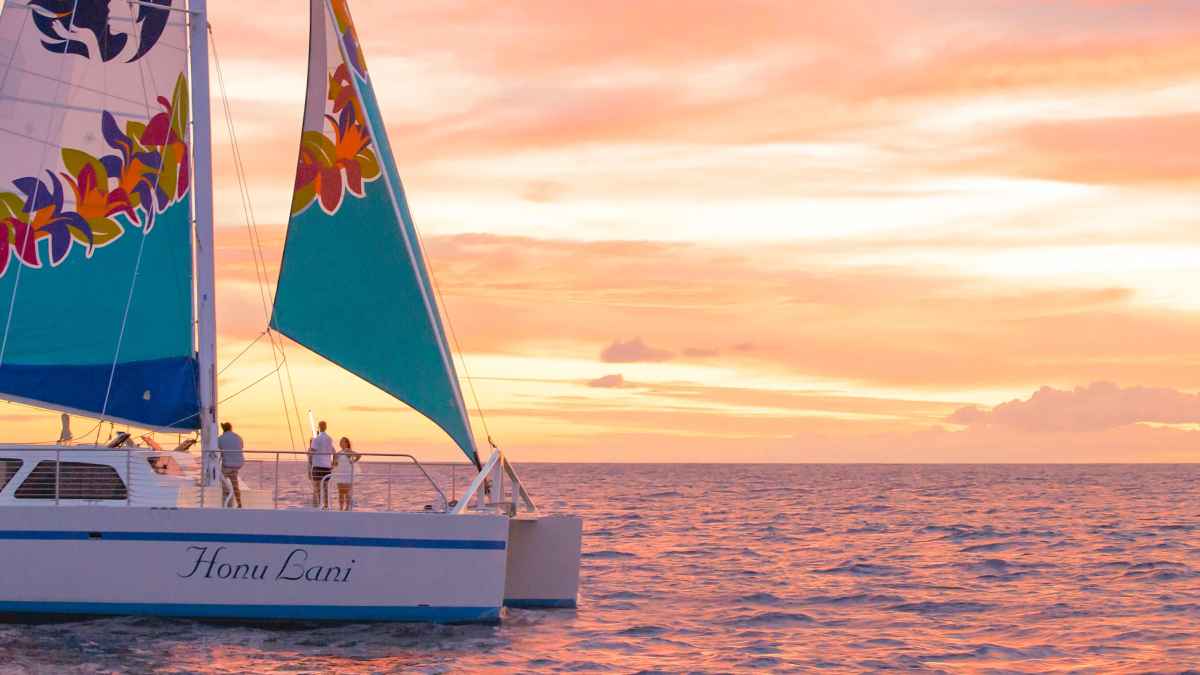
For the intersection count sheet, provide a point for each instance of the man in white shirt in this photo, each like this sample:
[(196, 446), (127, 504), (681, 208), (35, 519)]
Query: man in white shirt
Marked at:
[(320, 461)]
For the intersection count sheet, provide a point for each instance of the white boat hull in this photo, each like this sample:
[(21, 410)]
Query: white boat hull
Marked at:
[(543, 562), (252, 565)]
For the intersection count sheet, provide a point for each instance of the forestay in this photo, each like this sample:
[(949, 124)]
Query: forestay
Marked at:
[(353, 286), (95, 213)]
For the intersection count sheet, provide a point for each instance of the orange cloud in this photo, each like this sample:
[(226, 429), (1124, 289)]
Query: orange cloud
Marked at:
[(633, 351), (1097, 407), (886, 326), (1122, 150), (608, 381)]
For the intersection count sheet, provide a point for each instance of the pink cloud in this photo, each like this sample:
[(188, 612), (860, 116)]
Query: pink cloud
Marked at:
[(633, 351), (1096, 407), (608, 382)]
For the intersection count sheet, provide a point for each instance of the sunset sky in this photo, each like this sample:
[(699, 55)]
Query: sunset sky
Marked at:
[(760, 231)]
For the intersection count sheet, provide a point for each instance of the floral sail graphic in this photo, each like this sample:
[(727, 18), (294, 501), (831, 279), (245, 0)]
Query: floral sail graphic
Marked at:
[(145, 175), (340, 161), (95, 231), (351, 243)]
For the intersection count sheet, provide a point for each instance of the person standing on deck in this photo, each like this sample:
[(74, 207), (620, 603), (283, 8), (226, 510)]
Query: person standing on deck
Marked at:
[(320, 460), (232, 461), (343, 473)]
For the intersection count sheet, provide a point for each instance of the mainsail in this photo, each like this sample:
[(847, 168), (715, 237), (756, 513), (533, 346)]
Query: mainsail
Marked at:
[(353, 285), (95, 210)]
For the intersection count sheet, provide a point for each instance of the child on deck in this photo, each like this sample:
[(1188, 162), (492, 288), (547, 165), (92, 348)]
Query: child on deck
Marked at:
[(343, 473)]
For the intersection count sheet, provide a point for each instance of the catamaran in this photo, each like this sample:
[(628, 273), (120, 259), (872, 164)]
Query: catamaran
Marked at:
[(107, 301)]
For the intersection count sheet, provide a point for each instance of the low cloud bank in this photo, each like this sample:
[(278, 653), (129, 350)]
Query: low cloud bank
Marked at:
[(633, 351), (608, 382), (1096, 407)]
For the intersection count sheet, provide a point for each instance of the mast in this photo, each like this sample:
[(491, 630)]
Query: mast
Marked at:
[(206, 317)]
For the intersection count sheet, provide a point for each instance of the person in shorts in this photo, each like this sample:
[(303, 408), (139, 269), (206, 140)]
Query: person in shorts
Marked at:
[(320, 462)]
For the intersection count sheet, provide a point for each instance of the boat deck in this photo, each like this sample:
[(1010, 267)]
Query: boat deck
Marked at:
[(101, 476)]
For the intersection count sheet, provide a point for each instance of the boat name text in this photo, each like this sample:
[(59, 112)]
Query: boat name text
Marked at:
[(297, 566)]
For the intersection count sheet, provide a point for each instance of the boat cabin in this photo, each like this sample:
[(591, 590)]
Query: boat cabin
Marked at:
[(95, 476)]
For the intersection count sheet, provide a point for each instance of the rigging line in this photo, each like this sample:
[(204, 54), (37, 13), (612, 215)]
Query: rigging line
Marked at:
[(243, 188), (175, 111), (66, 106), (149, 214), (12, 59), (12, 301), (256, 249), (41, 409), (242, 353), (227, 398), (35, 139), (52, 443), (243, 389), (260, 265), (287, 369), (462, 356), (80, 87)]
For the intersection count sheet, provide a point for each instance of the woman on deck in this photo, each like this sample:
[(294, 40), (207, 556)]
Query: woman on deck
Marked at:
[(343, 473)]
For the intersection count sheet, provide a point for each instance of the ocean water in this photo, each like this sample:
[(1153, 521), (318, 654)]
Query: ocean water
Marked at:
[(712, 568)]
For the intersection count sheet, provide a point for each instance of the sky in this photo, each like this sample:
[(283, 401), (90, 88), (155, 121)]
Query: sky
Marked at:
[(912, 231)]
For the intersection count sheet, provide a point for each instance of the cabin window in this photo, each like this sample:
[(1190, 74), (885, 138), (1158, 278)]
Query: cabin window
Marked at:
[(76, 480), (8, 469), (165, 465)]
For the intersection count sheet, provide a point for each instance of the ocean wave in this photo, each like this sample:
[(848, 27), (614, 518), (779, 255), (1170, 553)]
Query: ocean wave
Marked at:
[(988, 548), (992, 652), (856, 599), (760, 599), (937, 608), (642, 631), (865, 570), (772, 619), (1159, 571)]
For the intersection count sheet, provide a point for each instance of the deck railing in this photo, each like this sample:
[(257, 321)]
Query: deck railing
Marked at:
[(379, 481), (268, 479)]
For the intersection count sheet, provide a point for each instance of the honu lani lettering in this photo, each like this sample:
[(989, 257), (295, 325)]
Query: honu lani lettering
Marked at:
[(295, 567)]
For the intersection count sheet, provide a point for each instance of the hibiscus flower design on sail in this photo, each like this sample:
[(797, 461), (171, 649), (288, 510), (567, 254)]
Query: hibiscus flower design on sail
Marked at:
[(330, 167), (147, 174)]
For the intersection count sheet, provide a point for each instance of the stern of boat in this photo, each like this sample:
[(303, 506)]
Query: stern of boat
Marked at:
[(543, 561), (544, 551)]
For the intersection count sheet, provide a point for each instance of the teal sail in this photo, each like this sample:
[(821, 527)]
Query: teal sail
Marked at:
[(353, 285), (96, 311)]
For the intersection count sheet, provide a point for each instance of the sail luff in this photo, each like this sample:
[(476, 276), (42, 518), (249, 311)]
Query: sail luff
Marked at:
[(408, 234)]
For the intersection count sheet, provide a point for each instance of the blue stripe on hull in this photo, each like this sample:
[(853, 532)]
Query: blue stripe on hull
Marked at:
[(236, 538), (540, 603), (420, 613)]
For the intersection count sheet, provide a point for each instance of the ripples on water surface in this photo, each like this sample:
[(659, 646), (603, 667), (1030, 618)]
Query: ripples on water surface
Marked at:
[(723, 568)]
